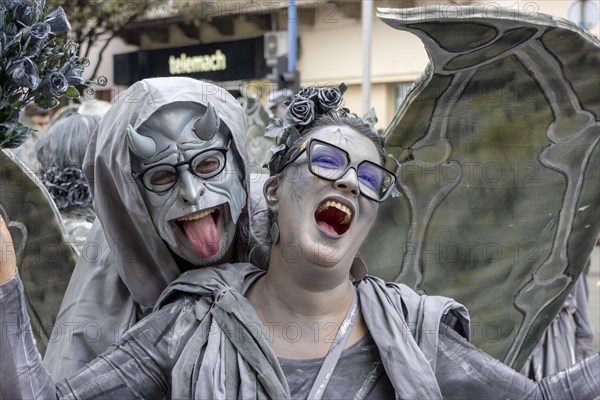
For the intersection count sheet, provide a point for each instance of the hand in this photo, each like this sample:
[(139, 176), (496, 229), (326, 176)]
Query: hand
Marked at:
[(8, 260)]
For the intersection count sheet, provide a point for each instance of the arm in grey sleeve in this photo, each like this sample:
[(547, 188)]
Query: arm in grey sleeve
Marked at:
[(139, 366), (23, 376), (464, 372)]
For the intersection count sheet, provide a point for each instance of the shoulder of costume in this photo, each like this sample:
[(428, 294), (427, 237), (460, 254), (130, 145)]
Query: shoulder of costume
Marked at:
[(416, 308)]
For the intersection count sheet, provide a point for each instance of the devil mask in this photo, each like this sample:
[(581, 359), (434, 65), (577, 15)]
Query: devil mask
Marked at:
[(190, 179)]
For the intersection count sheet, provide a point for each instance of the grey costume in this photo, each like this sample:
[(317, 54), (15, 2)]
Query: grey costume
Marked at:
[(125, 265), (78, 222), (201, 343), (567, 339)]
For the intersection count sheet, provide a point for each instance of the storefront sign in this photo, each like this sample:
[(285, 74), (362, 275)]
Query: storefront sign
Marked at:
[(222, 61), (189, 65)]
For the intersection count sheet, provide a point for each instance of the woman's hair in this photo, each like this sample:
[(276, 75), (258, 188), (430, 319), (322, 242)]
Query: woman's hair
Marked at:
[(334, 118), (61, 151), (259, 237), (66, 140)]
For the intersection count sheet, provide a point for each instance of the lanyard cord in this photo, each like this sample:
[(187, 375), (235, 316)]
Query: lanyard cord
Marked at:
[(333, 355)]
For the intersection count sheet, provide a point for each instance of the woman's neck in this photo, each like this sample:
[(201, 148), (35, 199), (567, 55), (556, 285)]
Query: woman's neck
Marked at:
[(304, 289), (302, 306)]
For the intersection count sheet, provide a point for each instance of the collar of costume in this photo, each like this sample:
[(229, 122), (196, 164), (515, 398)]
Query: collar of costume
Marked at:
[(230, 336)]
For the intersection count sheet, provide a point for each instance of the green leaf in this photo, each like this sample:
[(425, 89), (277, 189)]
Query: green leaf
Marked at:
[(371, 116), (72, 92), (46, 103)]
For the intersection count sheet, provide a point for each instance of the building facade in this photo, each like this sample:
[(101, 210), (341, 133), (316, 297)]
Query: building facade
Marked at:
[(224, 42)]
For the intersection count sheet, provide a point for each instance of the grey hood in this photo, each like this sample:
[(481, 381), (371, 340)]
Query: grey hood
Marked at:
[(117, 201), (125, 265)]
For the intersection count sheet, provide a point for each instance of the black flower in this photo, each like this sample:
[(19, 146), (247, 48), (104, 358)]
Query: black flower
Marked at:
[(24, 73), (309, 92), (301, 110), (329, 99), (54, 85)]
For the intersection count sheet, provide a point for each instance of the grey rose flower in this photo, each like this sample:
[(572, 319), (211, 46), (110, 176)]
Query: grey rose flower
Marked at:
[(23, 13), (67, 186), (39, 31), (301, 110), (70, 176), (73, 73), (329, 99), (274, 128), (58, 194), (309, 92), (79, 195), (51, 174), (24, 73), (58, 21), (54, 85)]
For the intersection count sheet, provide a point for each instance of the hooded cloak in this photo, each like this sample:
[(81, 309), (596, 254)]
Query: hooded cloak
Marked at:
[(125, 265)]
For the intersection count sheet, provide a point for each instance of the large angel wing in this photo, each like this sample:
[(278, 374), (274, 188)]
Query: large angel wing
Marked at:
[(45, 258), (500, 170)]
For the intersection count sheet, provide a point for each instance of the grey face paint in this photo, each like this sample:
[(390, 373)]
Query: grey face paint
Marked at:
[(196, 217)]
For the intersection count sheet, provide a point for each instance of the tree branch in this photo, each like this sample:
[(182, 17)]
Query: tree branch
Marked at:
[(101, 52)]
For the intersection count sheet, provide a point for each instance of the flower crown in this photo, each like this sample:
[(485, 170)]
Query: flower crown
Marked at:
[(305, 108)]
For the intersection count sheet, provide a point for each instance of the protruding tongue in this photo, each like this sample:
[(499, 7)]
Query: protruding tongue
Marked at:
[(203, 235)]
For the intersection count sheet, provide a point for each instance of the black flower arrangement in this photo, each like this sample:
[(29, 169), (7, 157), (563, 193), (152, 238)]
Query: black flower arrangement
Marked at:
[(67, 186), (36, 64), (302, 112)]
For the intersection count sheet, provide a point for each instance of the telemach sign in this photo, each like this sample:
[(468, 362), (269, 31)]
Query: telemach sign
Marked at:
[(222, 61), (185, 64)]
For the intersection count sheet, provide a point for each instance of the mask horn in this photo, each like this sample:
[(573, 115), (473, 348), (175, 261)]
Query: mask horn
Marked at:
[(207, 126), (142, 146)]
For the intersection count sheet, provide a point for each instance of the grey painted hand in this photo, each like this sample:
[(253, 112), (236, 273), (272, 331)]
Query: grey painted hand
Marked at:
[(8, 260)]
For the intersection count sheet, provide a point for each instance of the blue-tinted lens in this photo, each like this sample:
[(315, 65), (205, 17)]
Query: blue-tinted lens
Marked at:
[(374, 181), (326, 161), (370, 176)]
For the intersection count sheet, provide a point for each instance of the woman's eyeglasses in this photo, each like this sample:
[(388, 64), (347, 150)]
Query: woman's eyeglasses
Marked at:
[(330, 162), (205, 165)]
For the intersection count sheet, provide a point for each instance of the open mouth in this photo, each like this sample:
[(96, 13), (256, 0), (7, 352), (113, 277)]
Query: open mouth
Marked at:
[(201, 230), (333, 217)]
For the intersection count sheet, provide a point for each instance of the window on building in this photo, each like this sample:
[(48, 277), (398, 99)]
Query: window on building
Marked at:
[(400, 92)]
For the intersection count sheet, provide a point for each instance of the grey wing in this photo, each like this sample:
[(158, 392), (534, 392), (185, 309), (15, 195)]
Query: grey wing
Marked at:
[(496, 151), (45, 257)]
